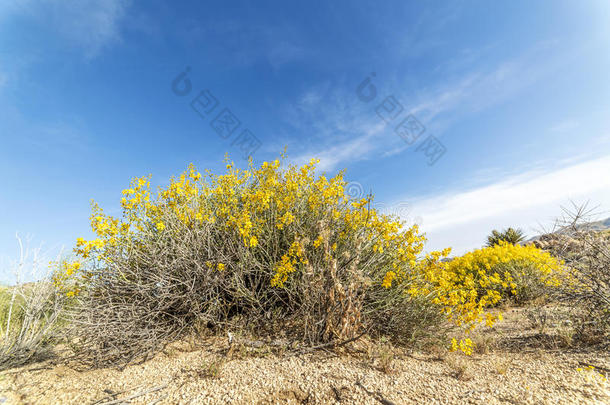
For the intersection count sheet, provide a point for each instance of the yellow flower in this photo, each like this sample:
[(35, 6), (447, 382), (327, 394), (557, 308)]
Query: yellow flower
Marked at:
[(160, 226), (387, 280), (464, 345), (318, 241)]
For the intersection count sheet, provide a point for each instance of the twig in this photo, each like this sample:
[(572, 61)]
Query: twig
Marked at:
[(129, 398), (337, 393), (325, 345), (111, 395), (19, 371), (377, 395)]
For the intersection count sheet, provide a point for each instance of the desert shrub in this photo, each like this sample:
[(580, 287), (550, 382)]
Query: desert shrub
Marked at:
[(30, 313), (509, 235), (586, 286), (274, 249), (419, 322), (468, 285)]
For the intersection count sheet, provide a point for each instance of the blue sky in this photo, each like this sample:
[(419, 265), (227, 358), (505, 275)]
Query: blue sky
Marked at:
[(515, 93)]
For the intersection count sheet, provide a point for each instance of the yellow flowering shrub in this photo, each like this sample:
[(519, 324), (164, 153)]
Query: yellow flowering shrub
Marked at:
[(467, 285), (279, 248), (244, 202)]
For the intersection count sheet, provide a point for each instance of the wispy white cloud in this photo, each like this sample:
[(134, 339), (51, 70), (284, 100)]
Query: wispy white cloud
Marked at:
[(91, 25), (482, 88), (347, 130), (349, 150), (462, 218), (341, 130)]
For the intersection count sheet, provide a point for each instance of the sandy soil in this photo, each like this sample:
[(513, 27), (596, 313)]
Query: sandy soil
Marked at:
[(370, 374)]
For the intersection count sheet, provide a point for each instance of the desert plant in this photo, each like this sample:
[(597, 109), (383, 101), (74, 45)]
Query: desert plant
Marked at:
[(586, 289), (268, 248), (510, 235), (419, 322), (468, 285), (30, 313)]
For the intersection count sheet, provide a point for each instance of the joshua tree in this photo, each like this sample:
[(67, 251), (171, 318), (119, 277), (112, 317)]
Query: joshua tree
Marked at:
[(509, 235)]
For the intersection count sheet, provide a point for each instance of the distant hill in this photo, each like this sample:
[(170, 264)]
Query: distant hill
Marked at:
[(602, 225), (599, 225)]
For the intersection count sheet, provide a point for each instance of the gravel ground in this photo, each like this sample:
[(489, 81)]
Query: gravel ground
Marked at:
[(196, 378), (369, 374)]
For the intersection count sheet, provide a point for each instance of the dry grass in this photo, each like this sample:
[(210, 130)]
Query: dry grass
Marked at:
[(30, 313)]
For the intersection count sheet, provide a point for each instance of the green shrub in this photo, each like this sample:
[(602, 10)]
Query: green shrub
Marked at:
[(510, 235)]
